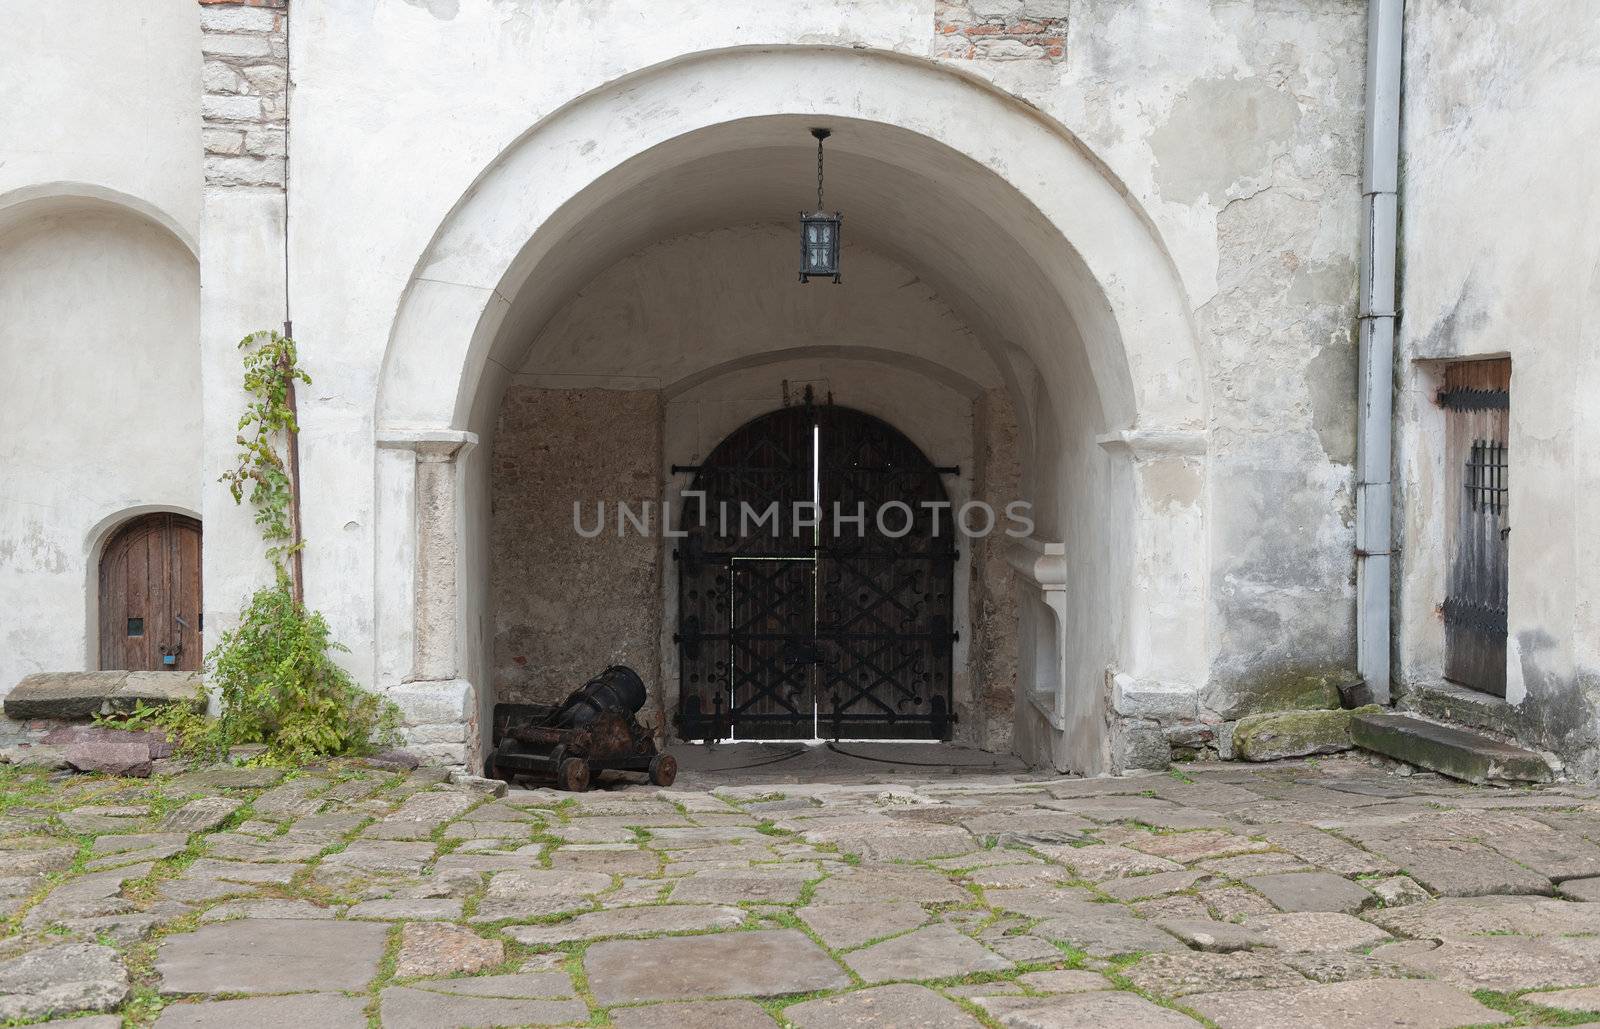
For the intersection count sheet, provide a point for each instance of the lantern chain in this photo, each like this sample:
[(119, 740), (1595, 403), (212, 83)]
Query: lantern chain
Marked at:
[(819, 173)]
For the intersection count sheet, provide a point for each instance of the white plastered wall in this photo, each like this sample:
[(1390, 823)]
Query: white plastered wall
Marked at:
[(99, 299), (102, 417), (1501, 249)]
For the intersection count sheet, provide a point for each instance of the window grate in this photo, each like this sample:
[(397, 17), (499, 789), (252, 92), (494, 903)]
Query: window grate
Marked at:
[(1487, 481)]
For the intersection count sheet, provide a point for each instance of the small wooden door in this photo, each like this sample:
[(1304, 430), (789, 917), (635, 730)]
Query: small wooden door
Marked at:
[(150, 596), (1477, 402)]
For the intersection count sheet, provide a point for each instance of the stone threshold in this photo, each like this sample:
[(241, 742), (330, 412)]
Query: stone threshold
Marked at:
[(1450, 750), (78, 696)]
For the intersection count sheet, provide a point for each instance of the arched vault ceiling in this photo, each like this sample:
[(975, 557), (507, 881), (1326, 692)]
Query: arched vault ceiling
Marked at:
[(957, 226)]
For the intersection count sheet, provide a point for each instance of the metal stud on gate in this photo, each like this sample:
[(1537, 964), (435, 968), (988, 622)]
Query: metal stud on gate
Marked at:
[(819, 231)]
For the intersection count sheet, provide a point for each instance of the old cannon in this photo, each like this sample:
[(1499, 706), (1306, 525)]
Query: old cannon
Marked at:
[(592, 731)]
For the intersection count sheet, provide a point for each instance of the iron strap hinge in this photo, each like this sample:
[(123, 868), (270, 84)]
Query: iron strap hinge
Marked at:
[(1466, 399)]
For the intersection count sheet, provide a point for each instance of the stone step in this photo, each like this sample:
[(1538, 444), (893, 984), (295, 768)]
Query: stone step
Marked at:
[(1458, 753), (78, 696)]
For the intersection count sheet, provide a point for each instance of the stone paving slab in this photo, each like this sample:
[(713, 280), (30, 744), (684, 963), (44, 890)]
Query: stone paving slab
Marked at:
[(533, 893), (433, 948), (1311, 891), (1176, 975), (403, 1007), (323, 1010), (1451, 869), (1371, 1004), (706, 1014), (62, 980), (842, 926), (1104, 1010), (936, 952), (765, 963), (1305, 931), (1483, 916), (888, 1007), (1506, 963), (270, 956), (1583, 999), (648, 920)]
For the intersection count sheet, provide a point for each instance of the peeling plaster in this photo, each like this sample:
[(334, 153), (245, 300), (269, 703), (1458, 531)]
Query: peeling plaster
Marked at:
[(1239, 125)]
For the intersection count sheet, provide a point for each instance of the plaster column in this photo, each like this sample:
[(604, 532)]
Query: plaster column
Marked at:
[(439, 710)]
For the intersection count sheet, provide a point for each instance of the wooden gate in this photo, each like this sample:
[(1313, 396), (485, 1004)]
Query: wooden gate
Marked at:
[(1477, 402), (789, 631), (150, 595)]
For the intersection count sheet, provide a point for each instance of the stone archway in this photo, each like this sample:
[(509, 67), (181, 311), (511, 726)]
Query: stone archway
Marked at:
[(1062, 278)]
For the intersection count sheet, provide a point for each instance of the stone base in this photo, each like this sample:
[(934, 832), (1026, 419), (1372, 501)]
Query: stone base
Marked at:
[(438, 720), (29, 731)]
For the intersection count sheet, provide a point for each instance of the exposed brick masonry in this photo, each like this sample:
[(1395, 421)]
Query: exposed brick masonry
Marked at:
[(244, 107), (1001, 30)]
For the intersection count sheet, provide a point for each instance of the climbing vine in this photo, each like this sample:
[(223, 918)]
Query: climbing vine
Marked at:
[(271, 371)]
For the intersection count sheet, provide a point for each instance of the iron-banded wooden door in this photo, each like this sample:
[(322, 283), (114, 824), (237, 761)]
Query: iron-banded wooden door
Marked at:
[(885, 572), (746, 613), (1477, 403), (150, 598), (788, 631)]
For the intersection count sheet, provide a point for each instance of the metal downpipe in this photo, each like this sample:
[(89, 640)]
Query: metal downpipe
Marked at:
[(1380, 186)]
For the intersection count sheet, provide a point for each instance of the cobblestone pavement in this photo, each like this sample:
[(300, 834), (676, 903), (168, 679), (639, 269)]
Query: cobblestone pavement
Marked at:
[(1331, 893)]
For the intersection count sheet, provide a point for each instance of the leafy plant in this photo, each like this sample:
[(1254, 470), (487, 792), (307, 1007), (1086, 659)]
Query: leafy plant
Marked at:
[(278, 685), (272, 674)]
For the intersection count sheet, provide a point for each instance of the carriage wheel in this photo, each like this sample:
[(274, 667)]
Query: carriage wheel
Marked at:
[(572, 775), (663, 769)]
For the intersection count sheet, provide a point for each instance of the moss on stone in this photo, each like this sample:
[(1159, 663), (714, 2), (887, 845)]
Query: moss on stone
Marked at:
[(1293, 690), (1280, 734)]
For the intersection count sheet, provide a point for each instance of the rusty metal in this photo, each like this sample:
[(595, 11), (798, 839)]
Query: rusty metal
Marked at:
[(594, 730)]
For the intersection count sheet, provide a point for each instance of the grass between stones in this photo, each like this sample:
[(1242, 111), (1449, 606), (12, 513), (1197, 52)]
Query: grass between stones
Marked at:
[(1527, 1013), (385, 976)]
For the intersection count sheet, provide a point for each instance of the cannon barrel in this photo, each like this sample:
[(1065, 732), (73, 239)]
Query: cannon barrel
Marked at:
[(593, 731), (618, 689)]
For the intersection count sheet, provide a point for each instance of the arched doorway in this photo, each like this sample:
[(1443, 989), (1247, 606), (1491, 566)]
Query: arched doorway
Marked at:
[(1061, 277), (150, 599), (816, 594)]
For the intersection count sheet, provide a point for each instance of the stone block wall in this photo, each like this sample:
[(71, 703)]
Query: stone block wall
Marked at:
[(438, 721), (245, 78), (994, 590), (565, 607)]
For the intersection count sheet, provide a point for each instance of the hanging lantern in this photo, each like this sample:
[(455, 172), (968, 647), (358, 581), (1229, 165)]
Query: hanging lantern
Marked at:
[(819, 231)]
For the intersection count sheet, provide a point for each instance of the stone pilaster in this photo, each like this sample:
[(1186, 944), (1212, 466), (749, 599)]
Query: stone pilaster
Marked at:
[(439, 710)]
